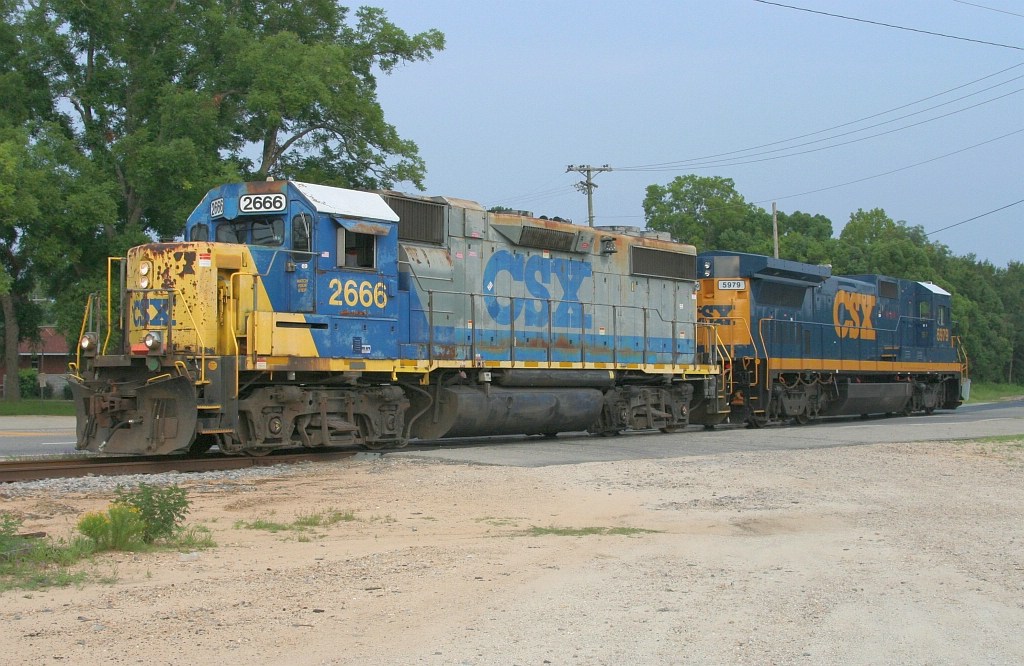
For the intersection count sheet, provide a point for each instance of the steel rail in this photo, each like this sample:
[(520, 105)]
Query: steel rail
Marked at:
[(65, 468)]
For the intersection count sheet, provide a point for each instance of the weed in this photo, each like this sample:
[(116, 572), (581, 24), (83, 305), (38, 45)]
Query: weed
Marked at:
[(193, 537), (302, 523), (120, 527), (162, 509)]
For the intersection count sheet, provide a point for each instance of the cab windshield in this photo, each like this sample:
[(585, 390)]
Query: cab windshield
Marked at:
[(252, 231)]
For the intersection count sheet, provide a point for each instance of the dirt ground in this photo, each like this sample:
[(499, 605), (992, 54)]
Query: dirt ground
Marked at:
[(895, 553)]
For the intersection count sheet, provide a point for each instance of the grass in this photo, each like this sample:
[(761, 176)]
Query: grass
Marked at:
[(302, 523), (588, 531), (989, 392), (35, 407), (36, 564)]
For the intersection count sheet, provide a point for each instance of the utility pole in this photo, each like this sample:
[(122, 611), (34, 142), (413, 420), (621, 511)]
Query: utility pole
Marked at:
[(587, 186), (775, 228)]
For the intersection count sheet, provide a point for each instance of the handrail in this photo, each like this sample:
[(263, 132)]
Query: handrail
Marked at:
[(169, 327), (549, 305), (110, 330), (81, 334), (961, 355)]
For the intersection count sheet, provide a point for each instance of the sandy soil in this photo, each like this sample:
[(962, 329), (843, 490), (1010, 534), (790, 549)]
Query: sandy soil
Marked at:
[(906, 553)]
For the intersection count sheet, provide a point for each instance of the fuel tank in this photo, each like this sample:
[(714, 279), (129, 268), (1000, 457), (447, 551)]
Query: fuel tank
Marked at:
[(475, 411)]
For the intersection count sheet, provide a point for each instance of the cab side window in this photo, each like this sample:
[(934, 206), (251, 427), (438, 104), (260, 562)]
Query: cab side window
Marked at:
[(356, 250), (302, 226), (200, 232)]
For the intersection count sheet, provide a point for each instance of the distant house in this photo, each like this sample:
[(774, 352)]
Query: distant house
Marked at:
[(49, 356)]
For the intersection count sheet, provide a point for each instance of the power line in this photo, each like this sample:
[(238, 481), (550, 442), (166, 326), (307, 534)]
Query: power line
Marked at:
[(971, 219), (842, 125), (890, 25), (729, 163), (889, 173), (991, 9)]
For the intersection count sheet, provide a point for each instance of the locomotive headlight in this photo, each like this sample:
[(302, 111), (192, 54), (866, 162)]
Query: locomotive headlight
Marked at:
[(88, 344), (145, 268), (154, 342)]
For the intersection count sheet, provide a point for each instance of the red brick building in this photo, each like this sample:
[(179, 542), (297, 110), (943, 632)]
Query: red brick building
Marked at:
[(49, 356)]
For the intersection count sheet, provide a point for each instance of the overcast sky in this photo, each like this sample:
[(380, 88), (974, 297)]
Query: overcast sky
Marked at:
[(526, 88)]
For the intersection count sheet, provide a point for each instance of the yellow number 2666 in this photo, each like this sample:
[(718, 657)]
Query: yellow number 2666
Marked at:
[(352, 294)]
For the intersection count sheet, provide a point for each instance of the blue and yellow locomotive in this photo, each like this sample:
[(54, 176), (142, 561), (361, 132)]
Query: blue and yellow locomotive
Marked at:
[(804, 343), (299, 315)]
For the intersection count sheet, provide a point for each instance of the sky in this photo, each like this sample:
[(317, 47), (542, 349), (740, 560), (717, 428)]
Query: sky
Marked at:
[(820, 114)]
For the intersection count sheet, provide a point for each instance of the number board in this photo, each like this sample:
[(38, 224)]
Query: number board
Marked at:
[(217, 207), (262, 203), (732, 284)]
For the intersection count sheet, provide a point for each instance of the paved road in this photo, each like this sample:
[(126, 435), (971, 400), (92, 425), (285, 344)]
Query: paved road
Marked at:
[(41, 435), (36, 435)]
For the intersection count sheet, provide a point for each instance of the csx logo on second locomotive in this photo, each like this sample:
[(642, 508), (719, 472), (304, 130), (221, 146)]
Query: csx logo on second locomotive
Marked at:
[(851, 314), (717, 314), (537, 273)]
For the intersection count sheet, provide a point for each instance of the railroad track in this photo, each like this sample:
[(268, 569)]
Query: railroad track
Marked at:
[(63, 468)]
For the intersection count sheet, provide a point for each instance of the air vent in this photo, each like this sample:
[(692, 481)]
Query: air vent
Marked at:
[(888, 289), (420, 221), (548, 239), (659, 263)]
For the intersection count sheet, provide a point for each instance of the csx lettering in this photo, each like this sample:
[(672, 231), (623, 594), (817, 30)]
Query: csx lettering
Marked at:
[(851, 314), (151, 312), (539, 274), (717, 314)]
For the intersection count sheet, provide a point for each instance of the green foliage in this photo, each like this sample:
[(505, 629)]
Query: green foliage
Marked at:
[(119, 116), (989, 392), (707, 212), (162, 510), (31, 563), (37, 408), (302, 522), (118, 528)]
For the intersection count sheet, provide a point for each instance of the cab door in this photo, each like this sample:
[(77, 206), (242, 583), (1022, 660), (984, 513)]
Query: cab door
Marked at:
[(925, 321), (300, 267)]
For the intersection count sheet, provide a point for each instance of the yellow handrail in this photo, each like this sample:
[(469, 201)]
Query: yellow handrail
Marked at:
[(110, 330), (81, 333)]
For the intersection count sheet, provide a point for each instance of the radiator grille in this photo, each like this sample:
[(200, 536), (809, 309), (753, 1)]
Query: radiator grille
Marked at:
[(659, 263), (548, 239), (421, 221)]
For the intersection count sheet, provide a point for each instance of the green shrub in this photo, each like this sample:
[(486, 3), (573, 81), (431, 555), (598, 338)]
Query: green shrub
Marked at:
[(28, 383), (162, 509), (120, 527), (9, 526)]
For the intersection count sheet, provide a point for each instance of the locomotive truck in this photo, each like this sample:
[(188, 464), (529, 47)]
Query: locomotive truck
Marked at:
[(301, 315)]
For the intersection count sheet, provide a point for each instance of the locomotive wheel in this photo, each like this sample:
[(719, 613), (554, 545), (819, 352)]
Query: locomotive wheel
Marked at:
[(257, 452), (757, 422), (801, 418)]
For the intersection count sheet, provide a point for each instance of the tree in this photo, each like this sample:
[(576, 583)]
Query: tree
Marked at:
[(871, 242), (1011, 290), (709, 213), (316, 91), (805, 237), (157, 102)]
